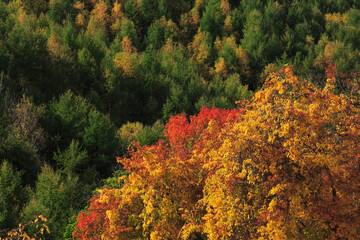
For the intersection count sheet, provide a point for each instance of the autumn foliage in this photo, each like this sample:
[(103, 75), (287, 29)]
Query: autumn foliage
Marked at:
[(38, 223), (284, 165)]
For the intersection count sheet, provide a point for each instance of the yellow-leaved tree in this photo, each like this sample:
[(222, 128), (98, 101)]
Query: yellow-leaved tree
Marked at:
[(284, 165)]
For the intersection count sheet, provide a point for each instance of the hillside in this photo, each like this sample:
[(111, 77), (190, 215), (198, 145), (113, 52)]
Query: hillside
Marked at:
[(84, 82)]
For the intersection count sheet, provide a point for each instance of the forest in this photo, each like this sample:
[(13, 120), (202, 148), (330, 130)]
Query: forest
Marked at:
[(179, 119)]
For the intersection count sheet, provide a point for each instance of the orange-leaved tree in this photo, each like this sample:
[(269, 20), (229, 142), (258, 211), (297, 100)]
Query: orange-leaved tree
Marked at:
[(282, 166)]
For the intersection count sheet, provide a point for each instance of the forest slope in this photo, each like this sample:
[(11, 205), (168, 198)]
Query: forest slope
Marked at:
[(80, 80)]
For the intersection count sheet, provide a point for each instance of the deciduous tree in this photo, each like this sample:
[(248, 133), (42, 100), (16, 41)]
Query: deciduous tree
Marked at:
[(283, 166)]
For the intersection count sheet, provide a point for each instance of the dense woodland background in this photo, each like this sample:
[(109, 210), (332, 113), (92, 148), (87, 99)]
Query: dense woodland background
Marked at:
[(80, 80)]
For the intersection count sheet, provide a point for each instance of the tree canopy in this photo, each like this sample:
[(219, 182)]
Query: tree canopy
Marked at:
[(283, 165), (83, 82)]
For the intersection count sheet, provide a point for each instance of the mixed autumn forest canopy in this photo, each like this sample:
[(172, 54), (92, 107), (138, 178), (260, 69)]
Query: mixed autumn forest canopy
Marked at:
[(180, 119)]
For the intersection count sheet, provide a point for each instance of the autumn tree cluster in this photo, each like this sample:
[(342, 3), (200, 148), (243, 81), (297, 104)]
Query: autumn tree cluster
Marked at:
[(282, 166), (81, 80)]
